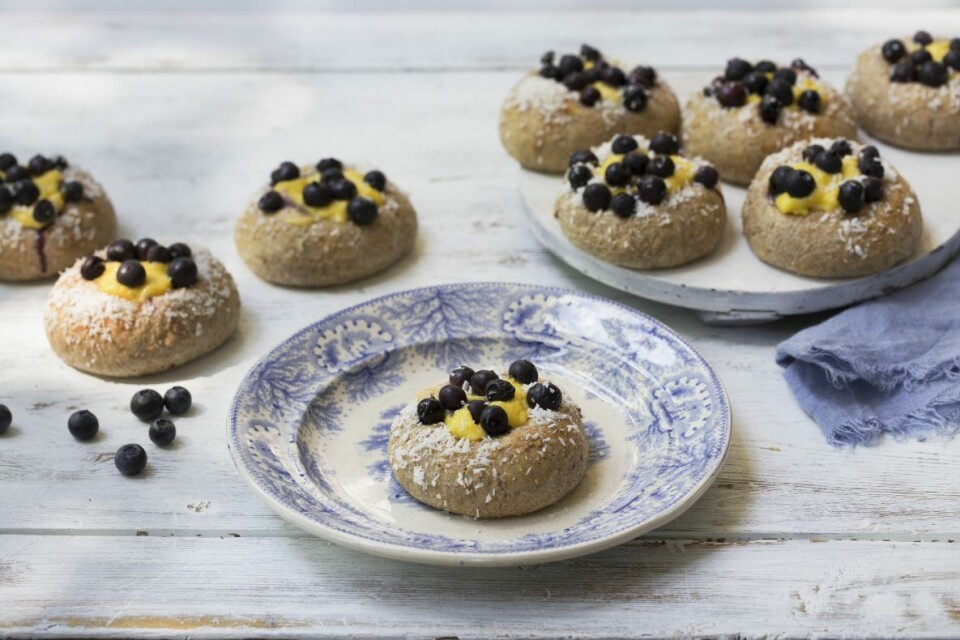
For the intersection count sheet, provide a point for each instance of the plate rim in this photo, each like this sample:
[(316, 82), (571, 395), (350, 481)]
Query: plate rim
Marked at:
[(467, 558)]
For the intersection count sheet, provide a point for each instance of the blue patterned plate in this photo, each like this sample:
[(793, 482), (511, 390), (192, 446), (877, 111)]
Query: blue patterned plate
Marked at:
[(309, 424)]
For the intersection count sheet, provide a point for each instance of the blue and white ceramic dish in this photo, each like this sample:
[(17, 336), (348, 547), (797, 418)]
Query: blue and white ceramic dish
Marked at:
[(309, 425)]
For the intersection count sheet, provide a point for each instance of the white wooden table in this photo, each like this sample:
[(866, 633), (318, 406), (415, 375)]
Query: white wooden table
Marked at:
[(180, 116)]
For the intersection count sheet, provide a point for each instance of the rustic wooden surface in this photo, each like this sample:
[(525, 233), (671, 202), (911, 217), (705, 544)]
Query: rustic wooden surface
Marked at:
[(180, 116)]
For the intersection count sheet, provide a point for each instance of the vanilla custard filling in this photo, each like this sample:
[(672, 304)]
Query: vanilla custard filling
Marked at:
[(156, 283)]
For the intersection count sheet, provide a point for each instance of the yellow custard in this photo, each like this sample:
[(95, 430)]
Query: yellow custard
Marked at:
[(825, 195), (49, 186), (336, 211), (461, 424), (682, 172), (157, 282)]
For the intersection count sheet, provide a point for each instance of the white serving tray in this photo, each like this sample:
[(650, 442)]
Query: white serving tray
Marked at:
[(733, 286)]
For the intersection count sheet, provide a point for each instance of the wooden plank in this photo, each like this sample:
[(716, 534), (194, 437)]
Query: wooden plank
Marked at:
[(455, 41), (245, 587)]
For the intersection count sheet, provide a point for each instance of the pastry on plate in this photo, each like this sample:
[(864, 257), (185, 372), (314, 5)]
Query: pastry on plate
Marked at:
[(753, 110), (325, 224), (51, 213), (578, 101), (489, 446), (907, 92), (831, 208), (133, 309), (639, 204)]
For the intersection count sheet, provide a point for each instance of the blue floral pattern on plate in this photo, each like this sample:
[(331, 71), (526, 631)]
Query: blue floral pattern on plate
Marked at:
[(310, 422)]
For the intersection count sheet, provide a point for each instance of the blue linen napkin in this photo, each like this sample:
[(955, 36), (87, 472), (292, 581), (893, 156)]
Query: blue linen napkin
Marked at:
[(890, 365)]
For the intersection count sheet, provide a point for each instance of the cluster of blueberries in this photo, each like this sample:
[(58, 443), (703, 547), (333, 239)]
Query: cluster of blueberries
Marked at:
[(636, 170), (147, 405), (180, 265), (491, 418), (852, 194), (920, 66), (331, 186), (741, 78), (570, 70), (19, 189)]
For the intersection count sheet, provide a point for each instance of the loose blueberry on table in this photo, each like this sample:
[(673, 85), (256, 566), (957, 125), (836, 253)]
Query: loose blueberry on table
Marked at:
[(162, 432), (6, 419), (130, 459), (83, 425), (596, 79), (146, 404)]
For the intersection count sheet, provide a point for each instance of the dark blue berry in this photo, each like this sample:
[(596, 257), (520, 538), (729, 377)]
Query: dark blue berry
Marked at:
[(179, 250), (461, 376), (182, 272), (7, 160), (83, 425), (737, 68), (800, 184), (547, 58), (893, 50), (613, 76), (430, 411), (476, 407), (785, 74), (623, 205), (162, 432), (921, 56), (6, 200), (661, 166), (634, 98), (643, 76), (159, 253), (616, 174), (624, 144), (583, 156), (770, 108), (933, 74), (952, 60), (811, 152), (755, 82), (146, 404), (317, 194), (781, 90), (576, 81), (546, 396), (579, 175), (494, 420), (570, 64), (130, 459), (871, 167), (329, 163), (376, 179), (25, 193), (800, 65), (331, 174), (270, 202), (550, 72), (589, 96), (120, 250), (841, 148), (903, 71), (731, 94), (451, 397), (636, 163), (955, 44), (652, 189), (851, 196), (143, 246), (131, 273), (500, 390), (6, 418), (665, 143), (286, 171), (44, 212), (92, 268), (828, 162), (480, 380), (707, 176), (343, 189), (872, 189), (589, 53), (17, 173), (523, 371), (596, 197), (765, 66), (923, 38), (39, 165), (72, 191), (362, 211), (177, 400), (809, 101), (778, 179)]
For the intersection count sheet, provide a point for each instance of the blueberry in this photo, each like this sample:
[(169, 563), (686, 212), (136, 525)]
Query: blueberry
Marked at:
[(329, 163), (146, 404), (755, 82), (923, 38), (870, 152), (634, 98), (376, 179), (893, 50), (480, 380), (596, 197), (920, 57), (131, 459), (613, 76), (270, 202), (44, 212), (143, 246), (781, 90), (800, 184), (476, 407), (182, 272), (494, 420), (329, 175), (811, 152), (461, 376), (362, 211), (25, 193), (317, 194), (841, 148), (652, 189), (903, 71), (583, 156), (636, 163), (59, 162), (623, 205), (787, 75), (6, 418), (546, 396), (430, 411), (665, 143), (343, 189), (7, 160), (778, 179), (770, 108), (616, 174), (131, 273), (707, 176), (871, 167), (592, 76), (547, 58), (39, 165), (589, 53), (662, 166), (120, 250), (179, 250), (17, 173), (162, 432), (933, 74), (451, 397), (500, 390), (765, 66), (828, 162), (952, 60), (92, 268), (955, 44), (523, 371), (579, 175), (851, 196), (624, 144), (737, 68), (177, 400), (872, 189), (731, 94), (286, 171), (550, 72), (159, 253), (809, 101), (800, 65), (643, 76), (570, 64), (83, 425), (72, 191), (576, 81), (589, 96)]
